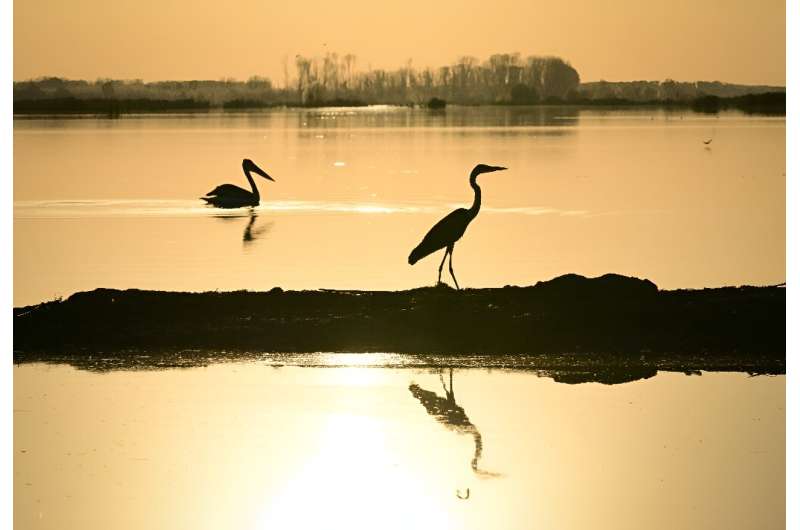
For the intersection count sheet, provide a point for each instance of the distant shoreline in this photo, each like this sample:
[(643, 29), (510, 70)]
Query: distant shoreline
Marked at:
[(625, 318), (771, 104)]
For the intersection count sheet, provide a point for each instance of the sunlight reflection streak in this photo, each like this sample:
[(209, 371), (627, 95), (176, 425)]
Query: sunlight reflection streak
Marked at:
[(77, 209)]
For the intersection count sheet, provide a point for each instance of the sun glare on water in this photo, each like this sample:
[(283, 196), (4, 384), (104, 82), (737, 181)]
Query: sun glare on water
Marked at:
[(354, 482)]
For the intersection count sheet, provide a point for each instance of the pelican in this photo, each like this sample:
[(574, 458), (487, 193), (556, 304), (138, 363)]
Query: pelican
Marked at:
[(446, 232), (230, 196)]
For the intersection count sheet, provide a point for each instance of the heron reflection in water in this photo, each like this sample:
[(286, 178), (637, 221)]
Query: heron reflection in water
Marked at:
[(447, 412)]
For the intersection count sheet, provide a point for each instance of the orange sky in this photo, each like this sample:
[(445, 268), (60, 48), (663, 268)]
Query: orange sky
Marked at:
[(726, 40)]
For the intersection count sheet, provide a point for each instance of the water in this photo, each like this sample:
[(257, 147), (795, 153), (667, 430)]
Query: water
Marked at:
[(113, 203), (383, 440), (372, 441)]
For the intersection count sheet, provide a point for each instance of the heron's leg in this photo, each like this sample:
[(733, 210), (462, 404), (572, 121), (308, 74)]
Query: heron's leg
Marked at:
[(450, 249), (442, 265)]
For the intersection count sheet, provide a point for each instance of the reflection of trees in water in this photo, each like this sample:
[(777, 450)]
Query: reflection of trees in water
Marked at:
[(553, 120), (447, 412)]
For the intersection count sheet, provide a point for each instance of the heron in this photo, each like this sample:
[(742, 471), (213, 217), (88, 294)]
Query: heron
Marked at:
[(230, 196), (446, 232)]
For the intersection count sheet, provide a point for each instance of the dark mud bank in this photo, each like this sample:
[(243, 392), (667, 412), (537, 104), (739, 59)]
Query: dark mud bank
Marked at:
[(611, 314)]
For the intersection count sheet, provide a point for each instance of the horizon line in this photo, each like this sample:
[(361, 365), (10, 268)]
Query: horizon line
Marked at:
[(238, 80)]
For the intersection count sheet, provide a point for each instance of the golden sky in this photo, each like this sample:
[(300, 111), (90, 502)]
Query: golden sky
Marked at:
[(726, 40)]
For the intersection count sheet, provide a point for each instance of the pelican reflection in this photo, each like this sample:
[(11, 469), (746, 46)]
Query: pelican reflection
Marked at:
[(447, 412), (253, 230)]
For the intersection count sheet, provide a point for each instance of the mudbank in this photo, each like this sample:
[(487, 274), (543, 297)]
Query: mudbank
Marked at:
[(571, 314)]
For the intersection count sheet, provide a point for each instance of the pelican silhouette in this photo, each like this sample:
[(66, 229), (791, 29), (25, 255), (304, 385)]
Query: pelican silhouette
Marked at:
[(446, 232), (230, 196)]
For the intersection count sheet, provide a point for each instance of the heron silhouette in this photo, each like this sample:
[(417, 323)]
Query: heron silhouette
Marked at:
[(230, 196), (446, 232)]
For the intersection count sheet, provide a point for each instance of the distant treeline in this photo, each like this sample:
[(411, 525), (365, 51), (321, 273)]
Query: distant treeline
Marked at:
[(501, 78), (75, 105), (334, 80), (667, 90)]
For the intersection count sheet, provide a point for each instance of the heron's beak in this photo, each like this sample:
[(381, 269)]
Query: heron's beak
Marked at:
[(498, 168), (259, 171)]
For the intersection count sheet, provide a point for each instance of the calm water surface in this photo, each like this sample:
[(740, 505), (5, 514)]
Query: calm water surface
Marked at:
[(113, 203), (377, 441), (373, 444)]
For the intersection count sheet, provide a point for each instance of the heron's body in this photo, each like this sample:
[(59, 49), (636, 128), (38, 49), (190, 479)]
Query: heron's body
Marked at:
[(446, 232), (443, 234), (230, 196)]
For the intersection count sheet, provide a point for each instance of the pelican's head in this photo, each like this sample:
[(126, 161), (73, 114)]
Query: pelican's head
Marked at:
[(483, 168), (248, 166)]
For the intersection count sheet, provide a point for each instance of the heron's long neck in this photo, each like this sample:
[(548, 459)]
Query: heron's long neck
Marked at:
[(252, 183), (476, 203)]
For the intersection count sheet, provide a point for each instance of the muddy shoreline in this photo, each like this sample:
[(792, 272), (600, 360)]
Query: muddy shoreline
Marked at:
[(610, 319)]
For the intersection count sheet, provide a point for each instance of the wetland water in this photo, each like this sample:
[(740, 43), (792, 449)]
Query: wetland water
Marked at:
[(381, 441), (113, 203), (378, 441)]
